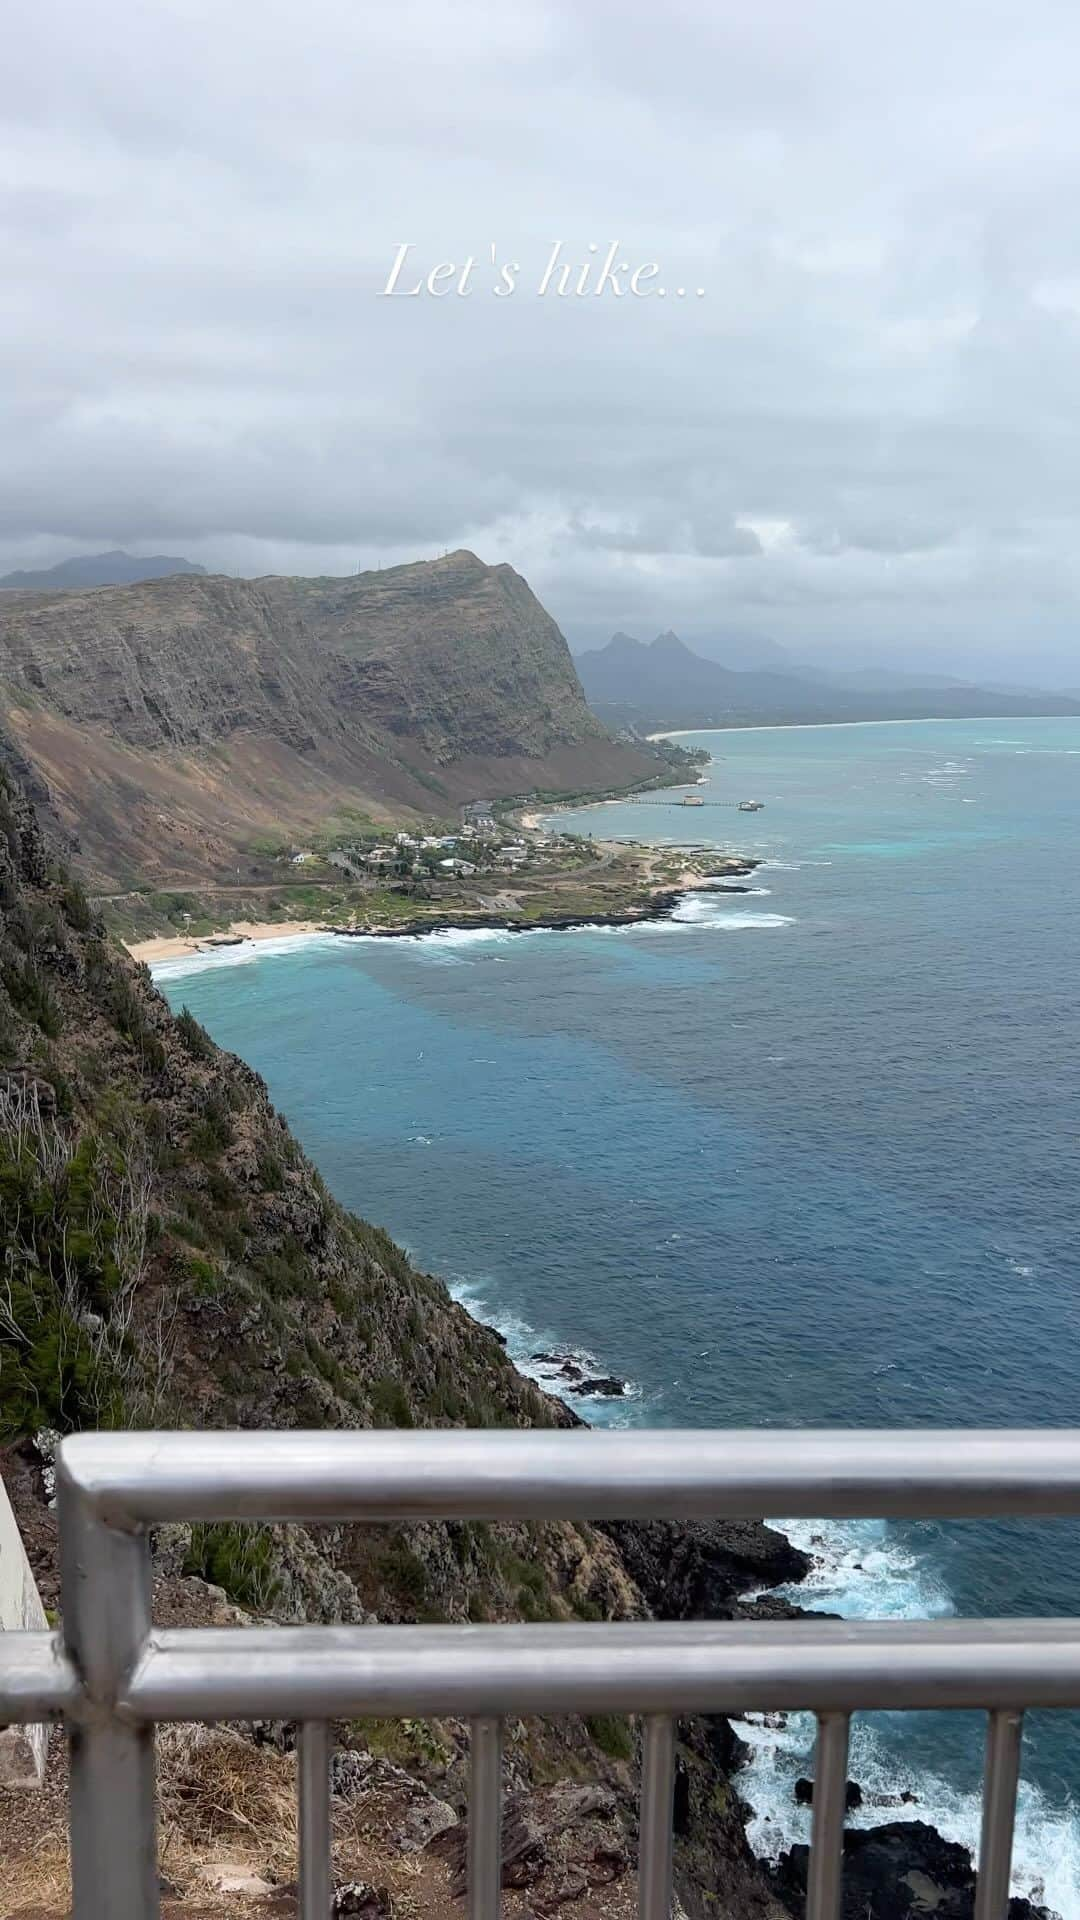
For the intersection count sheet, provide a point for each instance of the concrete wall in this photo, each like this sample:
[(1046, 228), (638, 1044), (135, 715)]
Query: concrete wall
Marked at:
[(22, 1749)]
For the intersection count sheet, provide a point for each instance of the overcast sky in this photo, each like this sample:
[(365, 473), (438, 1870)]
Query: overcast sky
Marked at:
[(861, 439)]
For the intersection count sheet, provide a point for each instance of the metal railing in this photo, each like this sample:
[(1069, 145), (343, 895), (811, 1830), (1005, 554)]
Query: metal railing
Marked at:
[(113, 1676)]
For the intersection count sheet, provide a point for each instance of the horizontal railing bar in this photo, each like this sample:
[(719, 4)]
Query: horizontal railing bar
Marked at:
[(826, 1666), (135, 1479), (37, 1680)]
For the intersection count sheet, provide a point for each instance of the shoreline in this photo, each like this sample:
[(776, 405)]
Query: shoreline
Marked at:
[(181, 946), (895, 720), (658, 904)]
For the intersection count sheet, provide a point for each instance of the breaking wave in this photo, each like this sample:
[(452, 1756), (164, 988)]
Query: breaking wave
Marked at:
[(862, 1570), (540, 1355), (204, 959)]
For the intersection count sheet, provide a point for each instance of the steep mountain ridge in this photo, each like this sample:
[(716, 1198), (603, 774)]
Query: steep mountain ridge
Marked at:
[(664, 683), (175, 721)]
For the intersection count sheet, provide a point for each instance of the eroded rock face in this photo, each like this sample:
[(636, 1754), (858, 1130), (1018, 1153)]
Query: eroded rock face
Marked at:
[(446, 677), (698, 1569)]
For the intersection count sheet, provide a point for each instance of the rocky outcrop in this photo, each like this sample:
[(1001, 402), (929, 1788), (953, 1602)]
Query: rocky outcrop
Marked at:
[(903, 1871), (174, 722), (699, 1569), (804, 1794)]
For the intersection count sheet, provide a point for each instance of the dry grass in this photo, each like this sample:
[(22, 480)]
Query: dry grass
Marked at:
[(224, 1799), (220, 1796)]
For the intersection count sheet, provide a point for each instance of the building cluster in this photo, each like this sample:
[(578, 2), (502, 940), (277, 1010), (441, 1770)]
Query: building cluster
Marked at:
[(480, 845)]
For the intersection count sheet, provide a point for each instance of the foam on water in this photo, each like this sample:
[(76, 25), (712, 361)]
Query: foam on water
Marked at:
[(449, 938), (861, 1570), (792, 866), (1046, 1854), (524, 1342), (203, 959), (704, 910)]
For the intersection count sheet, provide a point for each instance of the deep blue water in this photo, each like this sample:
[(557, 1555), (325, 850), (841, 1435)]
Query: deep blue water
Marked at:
[(807, 1155)]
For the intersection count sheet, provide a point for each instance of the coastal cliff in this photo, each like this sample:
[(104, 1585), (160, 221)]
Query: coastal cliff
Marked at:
[(173, 1257), (175, 723)]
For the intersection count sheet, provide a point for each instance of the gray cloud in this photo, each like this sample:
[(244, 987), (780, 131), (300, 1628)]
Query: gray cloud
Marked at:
[(861, 440)]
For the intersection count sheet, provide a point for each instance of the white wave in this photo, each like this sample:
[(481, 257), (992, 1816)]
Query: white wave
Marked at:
[(950, 769), (862, 1570), (718, 884), (1046, 1854), (205, 958), (452, 945), (703, 910), (524, 1342), (1023, 1269), (792, 866), (465, 937)]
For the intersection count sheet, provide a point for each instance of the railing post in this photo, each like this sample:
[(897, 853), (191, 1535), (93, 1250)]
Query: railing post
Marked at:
[(484, 1832), (656, 1847), (313, 1767), (105, 1591), (826, 1865), (1000, 1782)]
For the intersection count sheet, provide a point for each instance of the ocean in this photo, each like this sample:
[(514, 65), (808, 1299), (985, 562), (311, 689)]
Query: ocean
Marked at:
[(802, 1155)]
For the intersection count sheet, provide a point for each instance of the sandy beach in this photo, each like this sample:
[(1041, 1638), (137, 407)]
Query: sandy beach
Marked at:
[(175, 946)]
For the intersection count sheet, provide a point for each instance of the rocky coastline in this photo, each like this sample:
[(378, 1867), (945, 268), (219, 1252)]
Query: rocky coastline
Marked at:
[(659, 905)]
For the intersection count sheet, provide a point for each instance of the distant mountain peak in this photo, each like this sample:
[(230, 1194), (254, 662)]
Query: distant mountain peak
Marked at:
[(113, 569), (668, 684)]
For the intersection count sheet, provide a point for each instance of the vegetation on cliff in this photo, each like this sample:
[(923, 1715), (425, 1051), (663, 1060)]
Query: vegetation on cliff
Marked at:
[(171, 1256)]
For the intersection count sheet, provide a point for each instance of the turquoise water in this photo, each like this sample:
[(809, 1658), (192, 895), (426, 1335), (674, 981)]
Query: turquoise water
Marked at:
[(807, 1154)]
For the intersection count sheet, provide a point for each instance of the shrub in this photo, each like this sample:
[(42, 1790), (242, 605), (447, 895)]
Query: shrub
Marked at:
[(75, 1224), (76, 907), (31, 995), (212, 1131), (238, 1557), (611, 1733), (390, 1403), (270, 1172), (404, 1574), (194, 1036)]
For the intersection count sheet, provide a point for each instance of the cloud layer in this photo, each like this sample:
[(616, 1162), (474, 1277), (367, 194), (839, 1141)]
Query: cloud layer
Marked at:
[(861, 440)]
